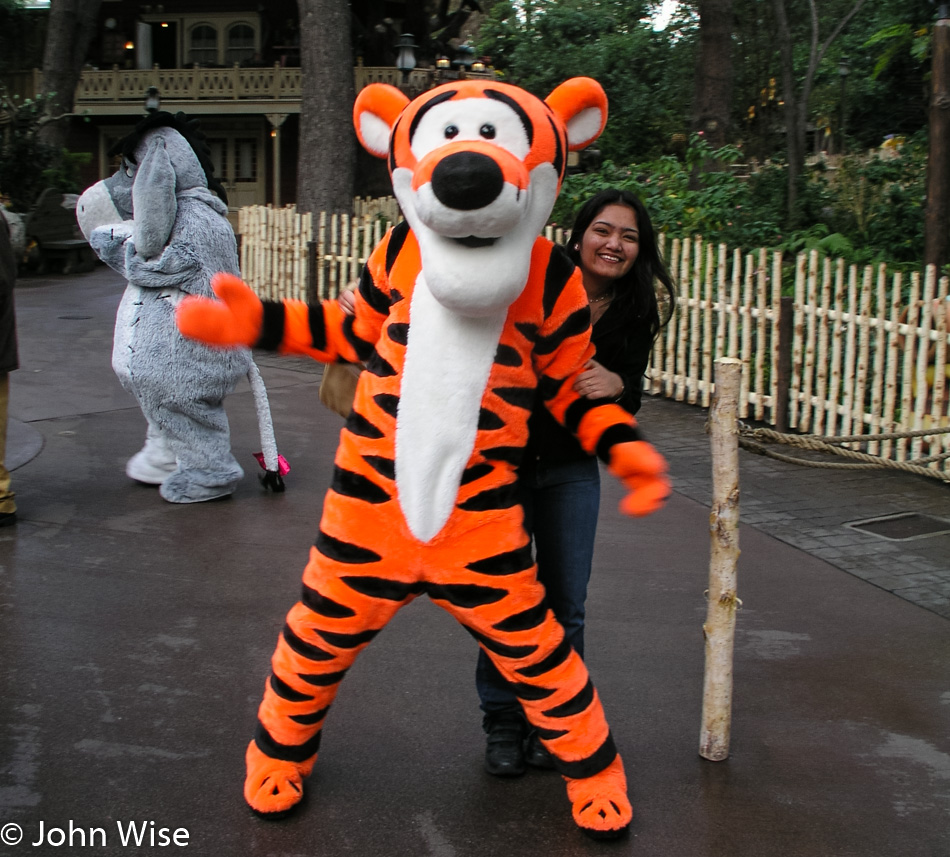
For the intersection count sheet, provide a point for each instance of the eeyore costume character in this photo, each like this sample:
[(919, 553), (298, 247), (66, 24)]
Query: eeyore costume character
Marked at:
[(158, 224)]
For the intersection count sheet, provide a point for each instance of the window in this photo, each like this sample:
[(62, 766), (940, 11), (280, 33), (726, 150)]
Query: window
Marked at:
[(217, 148), (240, 44), (245, 158), (204, 45)]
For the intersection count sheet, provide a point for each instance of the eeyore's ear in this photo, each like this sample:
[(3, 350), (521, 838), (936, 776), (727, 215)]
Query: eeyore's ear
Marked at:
[(153, 200)]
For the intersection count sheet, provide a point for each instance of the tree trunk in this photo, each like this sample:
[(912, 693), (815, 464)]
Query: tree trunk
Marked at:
[(796, 103), (327, 139), (937, 220), (70, 30), (712, 90)]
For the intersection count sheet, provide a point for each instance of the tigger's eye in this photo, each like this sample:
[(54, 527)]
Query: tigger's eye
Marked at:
[(487, 131), (451, 131)]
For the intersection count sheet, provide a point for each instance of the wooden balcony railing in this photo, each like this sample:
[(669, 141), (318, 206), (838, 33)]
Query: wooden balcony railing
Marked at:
[(276, 83)]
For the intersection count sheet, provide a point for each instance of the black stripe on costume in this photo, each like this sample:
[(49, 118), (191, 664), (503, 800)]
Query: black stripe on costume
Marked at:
[(593, 764), (380, 587), (476, 471), (285, 752), (323, 679), (350, 484), (577, 322), (465, 594), (549, 734), (555, 659), (548, 387), (509, 562), (383, 466), (285, 691), (425, 108), (520, 397), (272, 326), (504, 98), (347, 641), (398, 333), (575, 705), (310, 719), (507, 356), (525, 620), (364, 350), (489, 421), (387, 402), (560, 267), (341, 551), (559, 163), (362, 427), (576, 410), (500, 648), (528, 330), (323, 606), (503, 497), (316, 323), (397, 237), (530, 692), (302, 647), (379, 367), (509, 454), (614, 435)]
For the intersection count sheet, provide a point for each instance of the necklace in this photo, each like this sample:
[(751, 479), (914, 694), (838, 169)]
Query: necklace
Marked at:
[(606, 296)]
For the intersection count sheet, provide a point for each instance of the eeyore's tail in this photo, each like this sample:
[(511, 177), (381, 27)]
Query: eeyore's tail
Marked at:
[(275, 465)]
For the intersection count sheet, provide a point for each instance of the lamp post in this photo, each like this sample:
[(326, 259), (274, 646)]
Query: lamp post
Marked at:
[(843, 71), (406, 56)]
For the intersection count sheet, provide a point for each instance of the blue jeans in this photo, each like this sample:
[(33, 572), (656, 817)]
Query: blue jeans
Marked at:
[(561, 503)]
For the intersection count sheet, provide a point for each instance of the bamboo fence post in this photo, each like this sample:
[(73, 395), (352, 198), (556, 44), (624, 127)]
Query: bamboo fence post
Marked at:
[(694, 312), (798, 327), (907, 366), (776, 321), (877, 370), (810, 308), (893, 359), (836, 350), (850, 352), (923, 349), (760, 329), (745, 333), (861, 422), (719, 628)]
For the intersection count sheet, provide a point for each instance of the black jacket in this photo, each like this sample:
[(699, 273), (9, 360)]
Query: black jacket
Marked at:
[(623, 346)]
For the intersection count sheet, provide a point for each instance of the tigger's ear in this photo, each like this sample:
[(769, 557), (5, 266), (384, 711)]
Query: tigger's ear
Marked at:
[(375, 112), (581, 104)]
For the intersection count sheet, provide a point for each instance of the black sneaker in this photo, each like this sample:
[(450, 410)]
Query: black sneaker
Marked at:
[(7, 519), (504, 751), (536, 754)]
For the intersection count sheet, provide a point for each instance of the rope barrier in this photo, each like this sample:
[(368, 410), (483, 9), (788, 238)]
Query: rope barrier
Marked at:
[(753, 440)]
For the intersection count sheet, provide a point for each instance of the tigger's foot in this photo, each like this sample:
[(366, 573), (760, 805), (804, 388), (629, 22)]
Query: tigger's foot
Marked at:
[(600, 804), (273, 787)]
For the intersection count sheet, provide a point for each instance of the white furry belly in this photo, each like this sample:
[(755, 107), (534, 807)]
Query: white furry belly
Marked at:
[(127, 319), (448, 362)]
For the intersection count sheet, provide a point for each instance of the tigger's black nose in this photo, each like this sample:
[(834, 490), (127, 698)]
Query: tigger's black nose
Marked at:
[(467, 180)]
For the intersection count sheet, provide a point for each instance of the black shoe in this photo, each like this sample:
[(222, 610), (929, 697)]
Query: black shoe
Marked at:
[(536, 754), (504, 752), (7, 519)]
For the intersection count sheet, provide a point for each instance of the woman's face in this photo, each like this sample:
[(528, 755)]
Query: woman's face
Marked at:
[(611, 243)]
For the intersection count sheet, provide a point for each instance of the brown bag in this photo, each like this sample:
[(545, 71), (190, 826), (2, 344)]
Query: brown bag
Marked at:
[(338, 386)]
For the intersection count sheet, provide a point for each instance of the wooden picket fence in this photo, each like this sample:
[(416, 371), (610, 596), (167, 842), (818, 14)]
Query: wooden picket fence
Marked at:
[(827, 349)]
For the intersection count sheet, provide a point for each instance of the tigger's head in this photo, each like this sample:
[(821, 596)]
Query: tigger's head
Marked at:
[(476, 166)]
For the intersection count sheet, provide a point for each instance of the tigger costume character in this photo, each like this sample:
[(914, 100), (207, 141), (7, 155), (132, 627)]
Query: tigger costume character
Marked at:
[(463, 315)]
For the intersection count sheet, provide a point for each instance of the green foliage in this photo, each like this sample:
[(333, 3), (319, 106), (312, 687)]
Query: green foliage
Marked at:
[(64, 175), (24, 156), (867, 210), (541, 44)]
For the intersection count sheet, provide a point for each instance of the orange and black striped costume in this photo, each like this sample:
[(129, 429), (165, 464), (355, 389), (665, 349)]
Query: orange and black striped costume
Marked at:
[(424, 501)]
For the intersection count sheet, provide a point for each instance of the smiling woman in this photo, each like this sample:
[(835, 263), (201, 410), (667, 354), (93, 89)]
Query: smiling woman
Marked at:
[(614, 245)]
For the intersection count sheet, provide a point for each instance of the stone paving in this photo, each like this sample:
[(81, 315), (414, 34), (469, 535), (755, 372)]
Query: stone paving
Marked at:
[(809, 508)]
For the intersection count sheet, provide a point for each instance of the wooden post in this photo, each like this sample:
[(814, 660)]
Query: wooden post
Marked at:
[(719, 629), (786, 314), (937, 213)]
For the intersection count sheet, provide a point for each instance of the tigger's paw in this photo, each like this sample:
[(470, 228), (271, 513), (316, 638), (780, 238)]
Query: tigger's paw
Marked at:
[(600, 804), (273, 787)]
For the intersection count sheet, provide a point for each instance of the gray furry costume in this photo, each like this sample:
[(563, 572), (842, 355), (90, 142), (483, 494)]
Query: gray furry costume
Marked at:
[(157, 223)]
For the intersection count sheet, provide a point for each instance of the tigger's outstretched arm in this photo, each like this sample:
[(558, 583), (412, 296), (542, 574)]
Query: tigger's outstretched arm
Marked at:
[(602, 428), (321, 331)]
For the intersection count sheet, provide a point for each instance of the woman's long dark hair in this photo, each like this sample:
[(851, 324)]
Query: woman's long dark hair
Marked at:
[(635, 294)]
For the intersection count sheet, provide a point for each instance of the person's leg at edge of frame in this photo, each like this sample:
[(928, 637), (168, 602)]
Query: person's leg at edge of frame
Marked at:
[(7, 504)]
